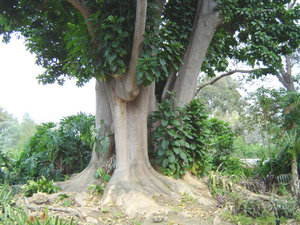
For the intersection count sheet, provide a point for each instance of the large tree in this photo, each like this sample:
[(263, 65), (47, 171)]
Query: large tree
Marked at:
[(138, 51)]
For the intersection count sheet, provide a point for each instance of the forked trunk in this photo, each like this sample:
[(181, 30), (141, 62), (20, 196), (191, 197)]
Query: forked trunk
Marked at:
[(134, 183)]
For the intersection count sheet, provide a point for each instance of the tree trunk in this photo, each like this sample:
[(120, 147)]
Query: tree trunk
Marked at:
[(295, 177), (206, 21), (80, 182), (134, 182)]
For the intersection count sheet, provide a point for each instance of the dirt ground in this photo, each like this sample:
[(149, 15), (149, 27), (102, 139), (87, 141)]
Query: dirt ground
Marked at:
[(86, 208)]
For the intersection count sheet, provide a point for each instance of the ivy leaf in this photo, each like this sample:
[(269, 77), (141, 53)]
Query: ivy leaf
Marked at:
[(164, 123), (165, 144), (175, 122), (165, 163), (172, 159)]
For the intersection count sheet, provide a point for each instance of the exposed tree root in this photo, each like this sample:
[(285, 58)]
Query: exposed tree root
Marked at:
[(81, 181), (140, 195)]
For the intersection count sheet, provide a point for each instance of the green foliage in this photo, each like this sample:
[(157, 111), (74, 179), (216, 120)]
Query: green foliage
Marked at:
[(163, 48), (277, 114), (56, 149), (13, 134), (254, 33), (243, 219), (97, 188), (219, 183), (221, 140), (67, 45), (5, 168), (65, 200), (41, 185), (13, 214), (249, 150), (104, 178), (100, 173), (185, 139), (180, 146), (284, 208)]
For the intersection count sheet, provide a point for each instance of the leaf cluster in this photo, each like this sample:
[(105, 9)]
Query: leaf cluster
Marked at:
[(41, 185), (165, 41), (184, 139), (258, 33)]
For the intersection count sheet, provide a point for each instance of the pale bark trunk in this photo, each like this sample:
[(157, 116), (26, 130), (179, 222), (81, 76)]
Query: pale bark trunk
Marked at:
[(285, 76), (206, 21), (81, 182), (295, 176), (130, 126)]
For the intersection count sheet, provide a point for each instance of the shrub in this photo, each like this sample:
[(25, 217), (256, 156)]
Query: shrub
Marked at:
[(57, 149), (41, 185), (184, 139)]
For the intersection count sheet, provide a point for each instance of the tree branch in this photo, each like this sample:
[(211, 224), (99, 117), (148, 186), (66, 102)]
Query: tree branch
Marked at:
[(285, 77), (223, 75), (86, 13), (205, 23), (288, 65), (169, 85), (128, 87)]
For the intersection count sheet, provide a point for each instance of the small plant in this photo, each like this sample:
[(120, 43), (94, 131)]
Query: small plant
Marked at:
[(104, 178), (254, 208), (282, 190), (97, 188), (219, 183), (105, 210), (284, 208), (186, 197), (65, 199), (41, 185), (184, 139), (100, 173)]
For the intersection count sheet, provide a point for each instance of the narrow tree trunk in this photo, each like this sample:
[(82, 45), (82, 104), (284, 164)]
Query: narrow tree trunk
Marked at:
[(295, 177), (206, 21)]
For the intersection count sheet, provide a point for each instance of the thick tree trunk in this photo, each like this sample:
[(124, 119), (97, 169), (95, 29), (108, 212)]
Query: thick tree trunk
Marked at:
[(134, 182), (100, 158)]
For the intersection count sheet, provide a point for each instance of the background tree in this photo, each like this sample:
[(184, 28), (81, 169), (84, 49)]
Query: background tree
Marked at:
[(13, 135), (129, 47), (223, 99), (9, 131)]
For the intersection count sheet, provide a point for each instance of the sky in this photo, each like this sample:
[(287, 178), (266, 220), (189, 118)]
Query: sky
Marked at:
[(20, 92)]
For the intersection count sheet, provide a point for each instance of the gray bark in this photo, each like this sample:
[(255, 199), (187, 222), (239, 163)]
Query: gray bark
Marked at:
[(285, 76), (206, 21), (81, 181), (126, 86)]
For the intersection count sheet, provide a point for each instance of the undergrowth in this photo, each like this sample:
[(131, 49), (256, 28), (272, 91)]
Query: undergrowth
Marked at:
[(250, 210), (15, 214)]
